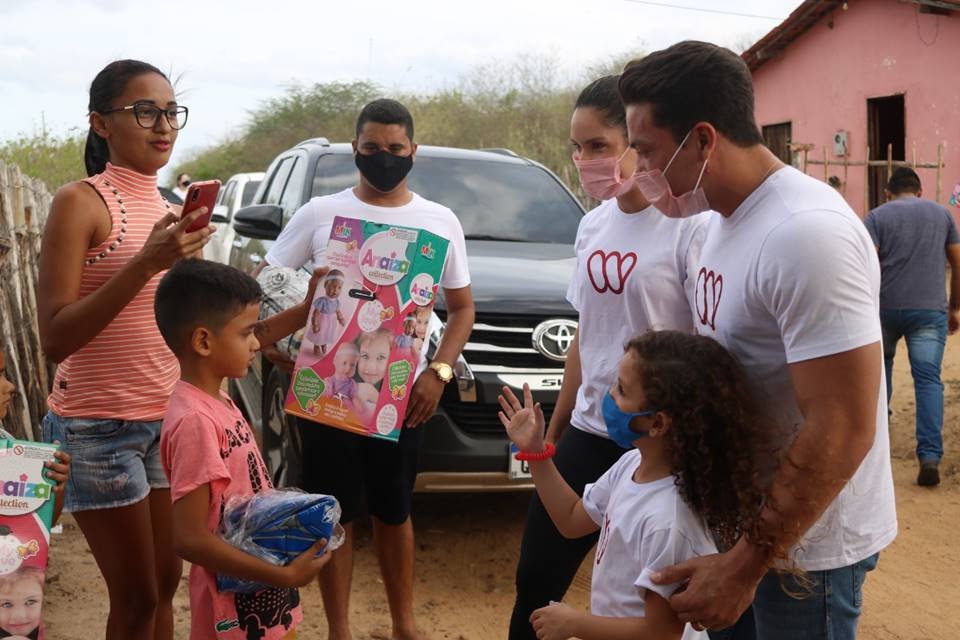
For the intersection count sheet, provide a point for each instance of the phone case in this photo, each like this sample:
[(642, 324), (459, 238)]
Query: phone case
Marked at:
[(201, 194)]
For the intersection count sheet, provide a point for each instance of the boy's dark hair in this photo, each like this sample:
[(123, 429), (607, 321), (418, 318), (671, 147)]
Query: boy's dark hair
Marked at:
[(693, 82), (200, 293), (718, 426), (106, 87), (903, 180), (386, 111), (602, 95)]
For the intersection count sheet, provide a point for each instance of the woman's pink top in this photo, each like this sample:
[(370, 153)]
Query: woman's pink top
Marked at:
[(126, 372)]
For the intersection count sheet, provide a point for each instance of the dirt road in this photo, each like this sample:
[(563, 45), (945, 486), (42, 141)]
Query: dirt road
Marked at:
[(467, 549)]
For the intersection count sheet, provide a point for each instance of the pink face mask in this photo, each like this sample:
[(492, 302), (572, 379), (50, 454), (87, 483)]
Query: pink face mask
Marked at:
[(601, 178), (655, 188)]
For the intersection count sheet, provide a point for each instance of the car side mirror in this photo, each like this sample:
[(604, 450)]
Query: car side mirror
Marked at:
[(261, 221), (220, 214)]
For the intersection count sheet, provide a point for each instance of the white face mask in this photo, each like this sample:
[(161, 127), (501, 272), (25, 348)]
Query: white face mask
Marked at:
[(655, 188)]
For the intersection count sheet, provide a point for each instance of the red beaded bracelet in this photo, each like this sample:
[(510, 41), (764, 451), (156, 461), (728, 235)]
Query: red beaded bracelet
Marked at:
[(546, 454)]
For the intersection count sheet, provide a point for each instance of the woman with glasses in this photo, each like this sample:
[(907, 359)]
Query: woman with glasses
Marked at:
[(108, 240)]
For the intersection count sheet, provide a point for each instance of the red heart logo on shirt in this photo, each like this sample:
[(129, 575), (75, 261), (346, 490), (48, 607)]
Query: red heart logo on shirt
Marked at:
[(707, 297), (609, 271)]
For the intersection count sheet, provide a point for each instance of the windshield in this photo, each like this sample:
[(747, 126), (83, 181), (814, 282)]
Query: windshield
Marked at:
[(493, 200)]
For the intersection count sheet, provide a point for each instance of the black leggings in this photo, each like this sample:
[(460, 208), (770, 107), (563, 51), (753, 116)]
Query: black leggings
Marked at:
[(548, 561)]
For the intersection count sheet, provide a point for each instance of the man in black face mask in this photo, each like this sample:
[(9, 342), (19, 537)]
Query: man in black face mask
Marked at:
[(352, 467)]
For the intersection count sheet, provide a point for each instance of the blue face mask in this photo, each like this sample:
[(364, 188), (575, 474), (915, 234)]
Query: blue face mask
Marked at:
[(618, 422)]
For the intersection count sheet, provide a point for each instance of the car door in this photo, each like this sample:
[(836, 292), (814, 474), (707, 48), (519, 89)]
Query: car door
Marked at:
[(218, 249), (247, 253)]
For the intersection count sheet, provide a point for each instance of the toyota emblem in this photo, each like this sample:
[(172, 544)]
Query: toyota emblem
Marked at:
[(553, 338)]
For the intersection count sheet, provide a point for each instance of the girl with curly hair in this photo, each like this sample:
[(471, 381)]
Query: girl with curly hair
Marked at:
[(682, 405)]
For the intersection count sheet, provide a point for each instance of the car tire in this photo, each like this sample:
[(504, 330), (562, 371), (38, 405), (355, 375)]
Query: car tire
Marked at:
[(282, 449)]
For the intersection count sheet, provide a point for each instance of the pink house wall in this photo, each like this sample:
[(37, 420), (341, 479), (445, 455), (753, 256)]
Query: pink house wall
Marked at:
[(822, 80)]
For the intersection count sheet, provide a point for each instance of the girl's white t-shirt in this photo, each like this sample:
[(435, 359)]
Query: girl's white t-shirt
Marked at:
[(634, 273), (643, 528), (790, 276)]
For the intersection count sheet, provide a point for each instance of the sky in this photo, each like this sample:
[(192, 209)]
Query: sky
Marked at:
[(231, 56)]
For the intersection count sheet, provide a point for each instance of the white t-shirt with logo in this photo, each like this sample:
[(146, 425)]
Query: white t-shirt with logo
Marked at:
[(634, 273), (792, 275), (643, 528), (304, 239)]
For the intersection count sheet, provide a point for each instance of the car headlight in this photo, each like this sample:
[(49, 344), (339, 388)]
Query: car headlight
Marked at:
[(466, 383)]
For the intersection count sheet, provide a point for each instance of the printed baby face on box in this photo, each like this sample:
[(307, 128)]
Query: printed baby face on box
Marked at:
[(366, 332), (26, 515)]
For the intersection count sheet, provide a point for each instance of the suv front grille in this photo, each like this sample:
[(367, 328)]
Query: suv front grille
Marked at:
[(504, 341), (482, 418)]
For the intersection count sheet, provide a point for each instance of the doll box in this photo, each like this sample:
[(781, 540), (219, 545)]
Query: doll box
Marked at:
[(26, 515), (367, 327)]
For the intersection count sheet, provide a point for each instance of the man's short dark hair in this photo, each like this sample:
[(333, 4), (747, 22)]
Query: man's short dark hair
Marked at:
[(903, 180), (693, 82), (386, 111), (200, 293)]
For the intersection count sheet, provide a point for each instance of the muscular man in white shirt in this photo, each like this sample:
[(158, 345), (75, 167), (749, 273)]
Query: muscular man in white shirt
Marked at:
[(789, 282)]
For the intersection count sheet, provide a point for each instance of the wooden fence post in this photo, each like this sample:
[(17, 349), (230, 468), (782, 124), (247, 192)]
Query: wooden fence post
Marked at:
[(939, 168), (24, 203)]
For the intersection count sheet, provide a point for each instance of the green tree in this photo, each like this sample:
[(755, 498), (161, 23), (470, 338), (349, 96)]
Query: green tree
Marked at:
[(522, 104), (327, 109), (52, 159)]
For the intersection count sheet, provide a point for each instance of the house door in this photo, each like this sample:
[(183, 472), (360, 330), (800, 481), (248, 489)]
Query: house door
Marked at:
[(777, 137), (885, 126)]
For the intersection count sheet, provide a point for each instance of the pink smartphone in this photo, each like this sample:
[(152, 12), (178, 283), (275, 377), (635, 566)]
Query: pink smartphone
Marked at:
[(201, 194)]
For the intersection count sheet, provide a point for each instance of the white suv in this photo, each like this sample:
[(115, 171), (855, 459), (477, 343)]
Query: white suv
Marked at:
[(237, 193)]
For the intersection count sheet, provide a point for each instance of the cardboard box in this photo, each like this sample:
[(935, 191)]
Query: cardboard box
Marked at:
[(26, 515), (367, 327)]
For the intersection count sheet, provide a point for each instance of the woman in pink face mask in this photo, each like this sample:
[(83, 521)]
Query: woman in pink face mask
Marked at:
[(632, 276), (604, 160)]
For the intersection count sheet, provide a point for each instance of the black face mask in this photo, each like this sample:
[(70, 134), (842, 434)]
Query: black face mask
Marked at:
[(383, 170)]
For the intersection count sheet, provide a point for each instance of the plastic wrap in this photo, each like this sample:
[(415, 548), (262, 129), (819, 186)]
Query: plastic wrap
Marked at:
[(277, 525), (283, 289)]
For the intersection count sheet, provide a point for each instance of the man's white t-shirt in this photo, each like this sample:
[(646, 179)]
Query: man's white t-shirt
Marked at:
[(792, 275), (634, 273), (643, 528), (304, 240)]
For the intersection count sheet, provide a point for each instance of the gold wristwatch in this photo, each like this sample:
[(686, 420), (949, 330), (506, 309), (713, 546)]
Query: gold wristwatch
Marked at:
[(443, 371)]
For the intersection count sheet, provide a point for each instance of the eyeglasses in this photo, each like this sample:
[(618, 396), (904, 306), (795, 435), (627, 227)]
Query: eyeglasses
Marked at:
[(148, 115)]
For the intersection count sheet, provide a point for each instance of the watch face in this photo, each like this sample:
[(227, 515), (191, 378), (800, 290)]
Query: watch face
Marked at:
[(444, 371)]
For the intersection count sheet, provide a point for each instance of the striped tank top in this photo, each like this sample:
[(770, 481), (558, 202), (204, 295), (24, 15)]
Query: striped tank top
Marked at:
[(126, 372)]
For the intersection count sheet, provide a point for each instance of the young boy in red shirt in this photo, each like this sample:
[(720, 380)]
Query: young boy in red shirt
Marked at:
[(208, 315)]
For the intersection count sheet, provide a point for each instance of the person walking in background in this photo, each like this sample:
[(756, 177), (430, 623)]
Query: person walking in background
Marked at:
[(912, 236)]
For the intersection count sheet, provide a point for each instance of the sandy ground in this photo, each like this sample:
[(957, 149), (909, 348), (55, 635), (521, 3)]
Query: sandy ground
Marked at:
[(467, 548)]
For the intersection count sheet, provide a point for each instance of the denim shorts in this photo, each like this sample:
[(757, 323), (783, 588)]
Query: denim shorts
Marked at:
[(114, 463)]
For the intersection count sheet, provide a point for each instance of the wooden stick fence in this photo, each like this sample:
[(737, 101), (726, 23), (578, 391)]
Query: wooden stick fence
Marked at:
[(24, 204), (889, 163)]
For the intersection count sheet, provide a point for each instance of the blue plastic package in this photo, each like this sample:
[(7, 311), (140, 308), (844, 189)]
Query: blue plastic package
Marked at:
[(277, 526)]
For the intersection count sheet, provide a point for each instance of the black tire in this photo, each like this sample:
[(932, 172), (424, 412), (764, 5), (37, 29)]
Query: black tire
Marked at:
[(282, 449)]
